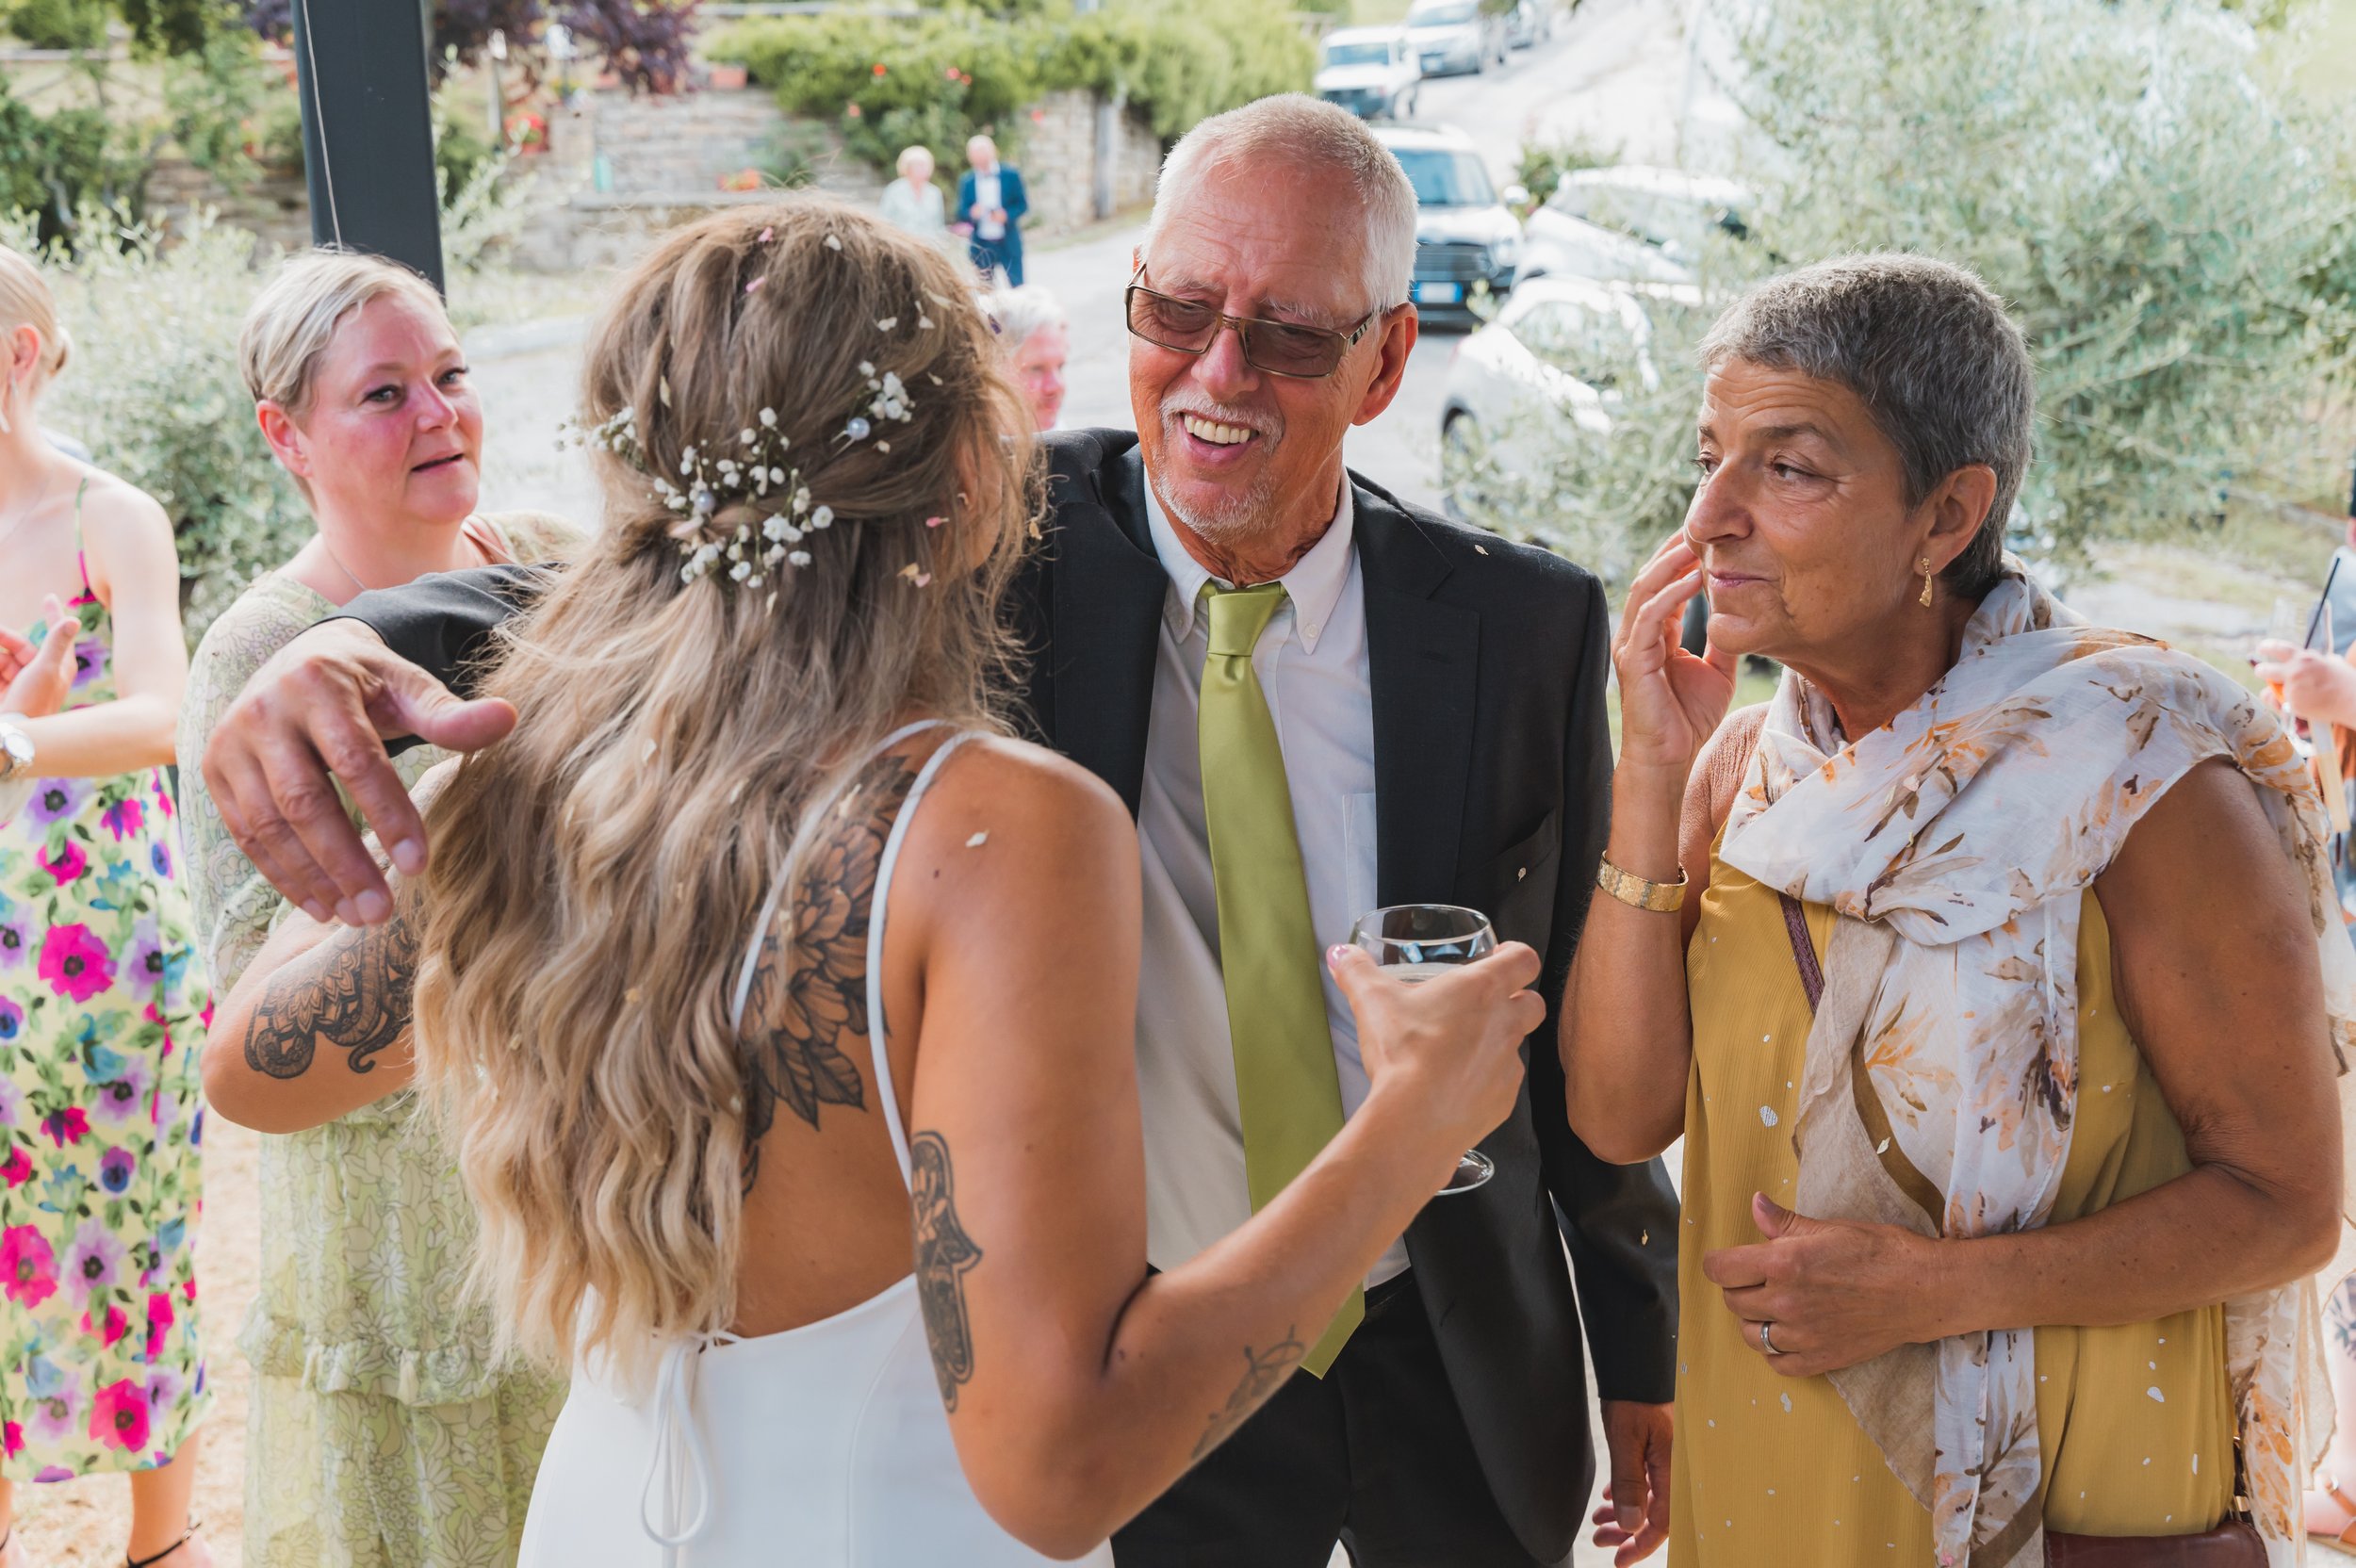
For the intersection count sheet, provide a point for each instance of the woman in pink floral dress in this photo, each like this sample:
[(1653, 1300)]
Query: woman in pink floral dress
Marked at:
[(103, 1001)]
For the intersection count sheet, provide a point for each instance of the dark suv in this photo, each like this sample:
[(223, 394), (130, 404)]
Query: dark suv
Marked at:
[(1465, 235)]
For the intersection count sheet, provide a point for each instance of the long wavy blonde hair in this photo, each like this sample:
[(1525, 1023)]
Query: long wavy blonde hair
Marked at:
[(596, 877)]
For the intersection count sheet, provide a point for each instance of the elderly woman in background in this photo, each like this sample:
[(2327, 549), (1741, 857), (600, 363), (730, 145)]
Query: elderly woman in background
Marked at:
[(1034, 339), (1990, 973), (382, 1430), (913, 202)]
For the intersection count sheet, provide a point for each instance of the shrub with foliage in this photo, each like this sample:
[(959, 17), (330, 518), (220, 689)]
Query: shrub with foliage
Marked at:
[(52, 165), (153, 391), (936, 80), (642, 42), (2175, 232), (1541, 166)]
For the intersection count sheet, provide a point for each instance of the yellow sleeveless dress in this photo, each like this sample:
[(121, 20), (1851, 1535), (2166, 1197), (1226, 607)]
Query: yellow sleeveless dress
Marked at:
[(2136, 1423)]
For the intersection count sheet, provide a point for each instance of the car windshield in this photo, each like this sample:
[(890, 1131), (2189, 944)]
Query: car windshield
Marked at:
[(1443, 178), (1372, 53), (1446, 13)]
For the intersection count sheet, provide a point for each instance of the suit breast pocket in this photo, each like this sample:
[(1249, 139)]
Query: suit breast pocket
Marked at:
[(1523, 875)]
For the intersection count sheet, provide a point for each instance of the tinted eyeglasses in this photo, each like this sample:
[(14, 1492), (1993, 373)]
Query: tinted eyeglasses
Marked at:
[(1279, 347)]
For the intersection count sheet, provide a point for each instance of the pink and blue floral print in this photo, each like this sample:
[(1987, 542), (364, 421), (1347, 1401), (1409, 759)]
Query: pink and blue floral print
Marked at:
[(103, 1009)]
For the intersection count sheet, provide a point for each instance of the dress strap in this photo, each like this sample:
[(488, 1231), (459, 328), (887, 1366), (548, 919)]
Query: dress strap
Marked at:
[(877, 908), (81, 556)]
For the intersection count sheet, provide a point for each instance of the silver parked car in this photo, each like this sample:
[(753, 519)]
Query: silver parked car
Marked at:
[(1630, 223), (1371, 72), (1530, 22), (1562, 348), (1454, 36)]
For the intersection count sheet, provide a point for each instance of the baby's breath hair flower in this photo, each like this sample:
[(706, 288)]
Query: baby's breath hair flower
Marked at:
[(760, 504)]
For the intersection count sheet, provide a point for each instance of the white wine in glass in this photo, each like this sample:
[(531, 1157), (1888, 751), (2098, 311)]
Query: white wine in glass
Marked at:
[(1415, 941)]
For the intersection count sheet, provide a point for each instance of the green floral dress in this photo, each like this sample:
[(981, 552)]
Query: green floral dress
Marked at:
[(103, 1009), (382, 1433)]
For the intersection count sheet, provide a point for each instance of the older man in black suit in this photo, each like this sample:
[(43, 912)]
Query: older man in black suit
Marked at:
[(1437, 696)]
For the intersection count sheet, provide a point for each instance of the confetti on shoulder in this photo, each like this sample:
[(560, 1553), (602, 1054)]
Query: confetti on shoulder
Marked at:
[(768, 233), (977, 840), (1480, 549), (916, 575), (754, 287), (833, 243)]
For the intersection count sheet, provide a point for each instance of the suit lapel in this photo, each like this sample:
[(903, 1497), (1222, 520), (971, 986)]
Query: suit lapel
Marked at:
[(1424, 659), (1109, 589)]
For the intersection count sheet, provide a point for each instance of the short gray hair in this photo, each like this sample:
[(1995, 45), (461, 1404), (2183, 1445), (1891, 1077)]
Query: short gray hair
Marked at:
[(1928, 349), (1294, 129), (1019, 312)]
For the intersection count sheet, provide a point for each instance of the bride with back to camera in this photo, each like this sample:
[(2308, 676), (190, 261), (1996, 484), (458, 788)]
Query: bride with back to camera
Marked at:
[(708, 1096)]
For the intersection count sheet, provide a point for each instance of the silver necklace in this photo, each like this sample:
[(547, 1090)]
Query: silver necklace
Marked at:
[(338, 560), (329, 550)]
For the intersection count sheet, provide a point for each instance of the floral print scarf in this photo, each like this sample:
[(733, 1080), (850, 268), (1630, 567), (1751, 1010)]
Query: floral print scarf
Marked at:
[(1957, 840)]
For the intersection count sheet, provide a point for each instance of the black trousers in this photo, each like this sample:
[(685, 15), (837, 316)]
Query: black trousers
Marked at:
[(1374, 1455)]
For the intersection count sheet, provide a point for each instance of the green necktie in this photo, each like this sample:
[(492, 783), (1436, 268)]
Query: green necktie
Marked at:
[(1286, 1083)]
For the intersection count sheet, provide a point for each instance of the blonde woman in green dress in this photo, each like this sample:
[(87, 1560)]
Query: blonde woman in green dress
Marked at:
[(383, 1433)]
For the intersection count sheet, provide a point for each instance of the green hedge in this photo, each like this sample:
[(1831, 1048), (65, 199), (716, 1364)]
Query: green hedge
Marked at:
[(938, 79)]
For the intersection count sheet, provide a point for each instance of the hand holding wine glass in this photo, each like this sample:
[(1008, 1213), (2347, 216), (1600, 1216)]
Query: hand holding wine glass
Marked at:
[(1446, 1042)]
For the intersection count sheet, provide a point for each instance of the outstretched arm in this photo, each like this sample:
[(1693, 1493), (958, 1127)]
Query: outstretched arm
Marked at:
[(322, 710), (318, 1024), (316, 1027)]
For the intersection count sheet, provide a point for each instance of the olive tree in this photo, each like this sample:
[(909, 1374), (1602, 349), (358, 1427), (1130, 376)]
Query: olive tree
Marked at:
[(2174, 229)]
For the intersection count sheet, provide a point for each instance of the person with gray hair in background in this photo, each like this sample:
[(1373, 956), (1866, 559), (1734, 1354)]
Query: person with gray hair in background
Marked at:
[(1035, 338), (914, 203), (1314, 698), (1991, 974)]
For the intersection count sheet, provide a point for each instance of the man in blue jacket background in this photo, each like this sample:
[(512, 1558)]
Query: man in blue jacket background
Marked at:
[(992, 202)]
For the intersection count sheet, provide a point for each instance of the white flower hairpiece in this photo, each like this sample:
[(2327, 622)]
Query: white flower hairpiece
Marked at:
[(779, 513)]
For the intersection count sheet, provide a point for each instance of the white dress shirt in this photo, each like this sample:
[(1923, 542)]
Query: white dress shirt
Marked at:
[(988, 197), (1312, 664)]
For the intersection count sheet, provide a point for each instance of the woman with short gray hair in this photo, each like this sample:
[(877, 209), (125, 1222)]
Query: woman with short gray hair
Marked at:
[(1999, 1000)]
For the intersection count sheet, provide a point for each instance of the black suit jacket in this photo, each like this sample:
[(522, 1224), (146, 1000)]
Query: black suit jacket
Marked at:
[(1492, 782)]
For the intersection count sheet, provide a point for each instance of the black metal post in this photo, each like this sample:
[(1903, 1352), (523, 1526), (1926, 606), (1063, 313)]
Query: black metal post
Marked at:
[(368, 130)]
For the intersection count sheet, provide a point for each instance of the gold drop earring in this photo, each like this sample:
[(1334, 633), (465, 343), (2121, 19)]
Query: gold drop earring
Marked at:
[(1924, 567)]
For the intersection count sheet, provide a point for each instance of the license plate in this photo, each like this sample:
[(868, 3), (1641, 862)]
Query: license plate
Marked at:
[(1439, 293)]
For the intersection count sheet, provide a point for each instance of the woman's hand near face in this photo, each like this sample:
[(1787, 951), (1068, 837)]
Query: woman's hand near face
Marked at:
[(2313, 685), (1670, 700)]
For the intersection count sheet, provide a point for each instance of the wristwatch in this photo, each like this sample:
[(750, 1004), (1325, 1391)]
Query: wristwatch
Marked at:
[(16, 749)]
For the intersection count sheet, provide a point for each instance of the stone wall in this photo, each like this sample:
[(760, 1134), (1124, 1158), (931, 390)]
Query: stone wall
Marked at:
[(1060, 161), (274, 206), (633, 167)]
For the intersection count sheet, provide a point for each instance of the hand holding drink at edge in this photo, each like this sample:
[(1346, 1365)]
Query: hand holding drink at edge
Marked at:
[(1444, 1051)]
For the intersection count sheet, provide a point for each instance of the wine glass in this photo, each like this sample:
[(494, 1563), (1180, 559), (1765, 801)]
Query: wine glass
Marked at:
[(1415, 941)]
